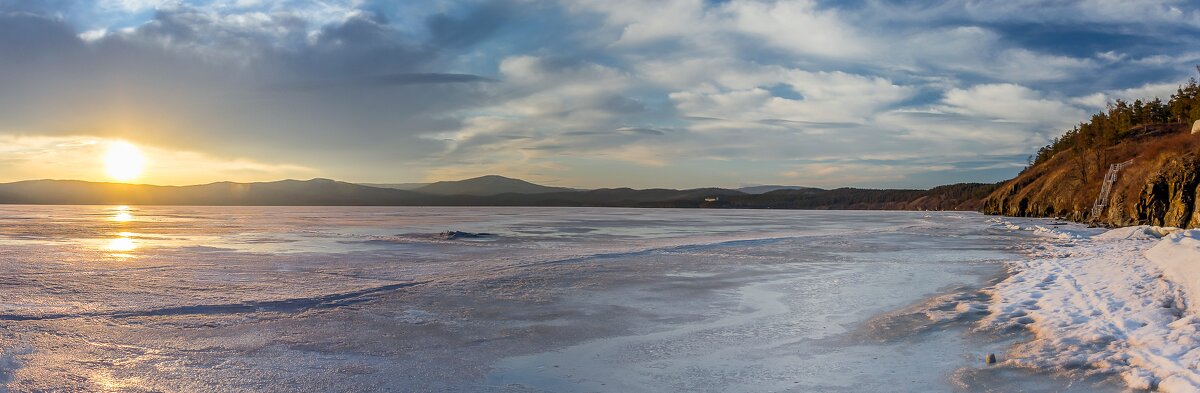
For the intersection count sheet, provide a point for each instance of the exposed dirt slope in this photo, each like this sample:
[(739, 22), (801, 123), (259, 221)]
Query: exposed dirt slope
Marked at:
[(1159, 188)]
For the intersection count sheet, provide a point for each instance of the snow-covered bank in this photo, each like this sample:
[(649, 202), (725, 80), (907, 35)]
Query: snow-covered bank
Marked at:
[(1106, 302), (1178, 255)]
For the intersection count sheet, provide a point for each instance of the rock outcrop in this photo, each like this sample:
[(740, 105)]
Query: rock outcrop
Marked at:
[(1169, 197), (1159, 188)]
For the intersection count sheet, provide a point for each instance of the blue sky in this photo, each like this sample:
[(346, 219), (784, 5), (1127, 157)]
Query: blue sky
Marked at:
[(575, 93)]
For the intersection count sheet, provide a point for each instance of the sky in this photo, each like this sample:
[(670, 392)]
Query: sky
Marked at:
[(578, 93)]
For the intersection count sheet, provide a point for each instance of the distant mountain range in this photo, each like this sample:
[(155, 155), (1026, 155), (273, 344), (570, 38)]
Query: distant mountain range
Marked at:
[(478, 186), (487, 185), (768, 188), (480, 191), (398, 186), (495, 185)]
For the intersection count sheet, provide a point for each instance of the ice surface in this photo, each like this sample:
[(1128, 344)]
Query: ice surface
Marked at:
[(1112, 302), (96, 298)]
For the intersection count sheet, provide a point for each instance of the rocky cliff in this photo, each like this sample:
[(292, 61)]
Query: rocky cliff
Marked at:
[(1159, 188)]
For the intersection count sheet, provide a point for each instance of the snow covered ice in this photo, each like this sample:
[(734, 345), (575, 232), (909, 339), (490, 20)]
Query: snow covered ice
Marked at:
[(1106, 302), (96, 298)]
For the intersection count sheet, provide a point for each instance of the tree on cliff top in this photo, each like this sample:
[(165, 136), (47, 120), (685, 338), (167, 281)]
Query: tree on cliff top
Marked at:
[(1117, 122)]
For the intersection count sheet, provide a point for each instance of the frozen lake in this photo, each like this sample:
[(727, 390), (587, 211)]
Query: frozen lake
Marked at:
[(555, 299)]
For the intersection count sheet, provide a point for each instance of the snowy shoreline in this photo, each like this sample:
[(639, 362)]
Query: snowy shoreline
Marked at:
[(1104, 302)]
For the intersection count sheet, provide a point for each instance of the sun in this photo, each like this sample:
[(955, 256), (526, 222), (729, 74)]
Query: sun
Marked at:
[(124, 161)]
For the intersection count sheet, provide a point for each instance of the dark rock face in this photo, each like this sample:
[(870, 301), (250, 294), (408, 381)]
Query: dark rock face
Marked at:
[(1169, 198), (1160, 190)]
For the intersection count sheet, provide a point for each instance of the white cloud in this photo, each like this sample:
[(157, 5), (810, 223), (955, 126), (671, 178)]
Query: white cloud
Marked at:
[(799, 27), (93, 35), (134, 5), (738, 91), (1009, 102), (1098, 101)]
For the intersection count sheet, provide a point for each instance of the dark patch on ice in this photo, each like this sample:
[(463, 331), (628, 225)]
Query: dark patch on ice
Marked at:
[(444, 235), (453, 235), (282, 306)]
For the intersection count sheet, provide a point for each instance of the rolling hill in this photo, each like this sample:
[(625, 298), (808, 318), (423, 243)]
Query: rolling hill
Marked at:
[(763, 189), (487, 185)]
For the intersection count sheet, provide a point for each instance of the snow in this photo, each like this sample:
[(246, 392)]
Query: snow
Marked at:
[(1178, 255), (1105, 302), (1059, 230)]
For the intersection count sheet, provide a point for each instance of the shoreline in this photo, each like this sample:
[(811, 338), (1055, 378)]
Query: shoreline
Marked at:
[(1097, 304)]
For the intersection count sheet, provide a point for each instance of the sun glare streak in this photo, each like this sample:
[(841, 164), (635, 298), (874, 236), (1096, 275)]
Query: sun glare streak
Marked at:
[(121, 214), (123, 161), (121, 244)]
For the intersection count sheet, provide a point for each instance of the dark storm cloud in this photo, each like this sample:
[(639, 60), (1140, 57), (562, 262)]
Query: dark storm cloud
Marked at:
[(30, 37), (475, 25)]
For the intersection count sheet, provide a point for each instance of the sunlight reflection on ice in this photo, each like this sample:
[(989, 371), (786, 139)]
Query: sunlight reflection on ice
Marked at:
[(124, 242), (121, 244), (107, 382)]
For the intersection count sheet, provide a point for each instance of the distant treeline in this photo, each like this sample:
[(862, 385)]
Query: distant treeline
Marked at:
[(964, 196), (333, 193)]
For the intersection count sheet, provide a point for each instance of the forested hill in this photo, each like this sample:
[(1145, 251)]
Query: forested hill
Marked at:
[(964, 196), (334, 193), (1159, 187)]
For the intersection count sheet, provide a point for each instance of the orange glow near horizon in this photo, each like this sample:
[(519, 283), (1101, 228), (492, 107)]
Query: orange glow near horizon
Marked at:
[(102, 159), (124, 162)]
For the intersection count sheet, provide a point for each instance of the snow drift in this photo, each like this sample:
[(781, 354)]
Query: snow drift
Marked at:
[(1114, 302)]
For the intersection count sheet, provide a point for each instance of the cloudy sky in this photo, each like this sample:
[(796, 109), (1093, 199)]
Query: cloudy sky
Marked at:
[(583, 93)]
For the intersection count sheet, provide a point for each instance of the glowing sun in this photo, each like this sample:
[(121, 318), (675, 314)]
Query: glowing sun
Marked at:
[(124, 161)]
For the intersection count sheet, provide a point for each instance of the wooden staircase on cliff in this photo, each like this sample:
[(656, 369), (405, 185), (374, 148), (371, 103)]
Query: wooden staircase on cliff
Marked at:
[(1109, 179)]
